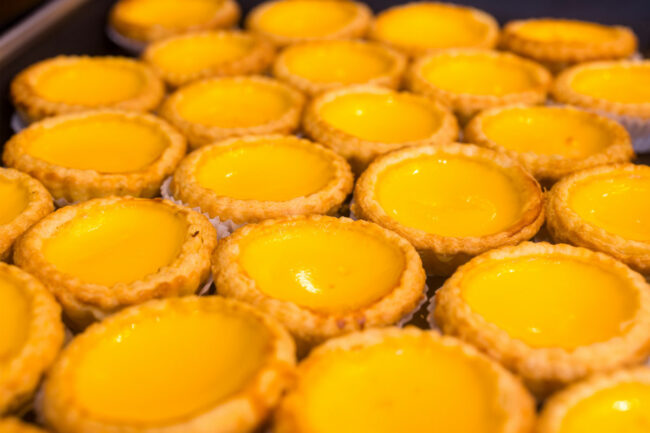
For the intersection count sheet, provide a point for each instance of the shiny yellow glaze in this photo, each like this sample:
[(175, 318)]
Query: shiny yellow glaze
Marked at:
[(228, 103), (122, 243), (478, 74), (189, 55), (617, 202), (89, 82), (401, 385), (168, 13), (171, 365), (627, 85), (566, 31), (623, 408), (327, 267), (14, 316), (381, 117), (431, 26), (266, 169), (337, 62), (450, 195), (547, 131), (107, 143), (306, 18), (551, 301), (14, 198)]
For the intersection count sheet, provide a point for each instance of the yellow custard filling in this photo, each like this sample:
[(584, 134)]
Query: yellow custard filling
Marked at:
[(107, 143), (413, 385), (617, 203), (161, 367), (450, 195), (168, 13), (14, 316), (327, 267), (478, 74), (628, 85), (566, 31), (123, 243), (551, 301), (431, 26), (89, 82), (623, 408), (193, 54), (381, 117), (547, 131), (276, 169), (14, 198), (306, 18), (337, 62), (228, 103)]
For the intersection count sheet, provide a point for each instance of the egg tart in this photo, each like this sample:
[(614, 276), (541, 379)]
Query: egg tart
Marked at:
[(70, 84), (104, 254), (24, 201), (617, 89), (15, 425), (469, 80), (286, 22), (321, 276), (552, 314), (32, 334), (362, 122), (451, 201), (97, 153), (143, 21), (420, 27), (551, 142), (605, 209), (615, 402), (314, 67), (193, 364), (558, 43), (219, 108), (406, 380), (182, 59), (254, 178)]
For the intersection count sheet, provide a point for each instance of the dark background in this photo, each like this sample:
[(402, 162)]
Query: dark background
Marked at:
[(83, 31)]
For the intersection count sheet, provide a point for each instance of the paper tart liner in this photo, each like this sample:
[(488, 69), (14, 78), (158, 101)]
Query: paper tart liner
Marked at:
[(18, 122), (132, 46)]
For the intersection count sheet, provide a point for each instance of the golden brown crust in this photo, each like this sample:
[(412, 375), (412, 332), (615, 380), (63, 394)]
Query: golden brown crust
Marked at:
[(550, 168), (489, 41), (557, 53), (565, 225), (22, 371), (76, 185), (32, 107), (391, 78), (512, 398), (311, 327), (360, 152), (466, 104), (563, 91), (545, 369), (226, 16), (441, 255), (356, 28), (38, 205), (256, 61), (241, 412), (557, 407), (85, 302), (328, 200), (15, 425), (199, 135)]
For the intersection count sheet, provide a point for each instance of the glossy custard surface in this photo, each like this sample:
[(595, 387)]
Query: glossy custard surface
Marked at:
[(566, 31), (628, 85), (168, 13), (14, 198), (14, 316)]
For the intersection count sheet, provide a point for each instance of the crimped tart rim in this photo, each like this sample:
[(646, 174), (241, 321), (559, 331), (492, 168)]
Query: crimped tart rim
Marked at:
[(328, 199), (241, 411)]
